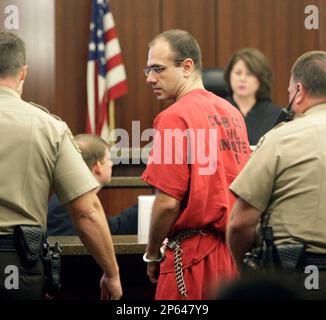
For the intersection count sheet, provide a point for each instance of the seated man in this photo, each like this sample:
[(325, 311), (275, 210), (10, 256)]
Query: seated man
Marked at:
[(95, 152)]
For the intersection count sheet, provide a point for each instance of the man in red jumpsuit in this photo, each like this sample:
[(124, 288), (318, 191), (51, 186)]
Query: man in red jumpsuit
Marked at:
[(200, 145)]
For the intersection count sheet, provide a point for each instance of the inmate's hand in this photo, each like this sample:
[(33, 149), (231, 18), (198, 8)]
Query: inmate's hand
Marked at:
[(153, 271)]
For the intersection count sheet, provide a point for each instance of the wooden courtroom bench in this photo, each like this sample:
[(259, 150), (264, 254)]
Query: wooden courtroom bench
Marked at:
[(122, 192), (80, 274)]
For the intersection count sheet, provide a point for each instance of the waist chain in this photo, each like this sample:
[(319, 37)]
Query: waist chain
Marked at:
[(174, 244)]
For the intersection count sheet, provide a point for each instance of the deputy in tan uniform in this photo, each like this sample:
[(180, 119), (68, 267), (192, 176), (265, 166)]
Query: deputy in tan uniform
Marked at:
[(286, 179), (37, 155)]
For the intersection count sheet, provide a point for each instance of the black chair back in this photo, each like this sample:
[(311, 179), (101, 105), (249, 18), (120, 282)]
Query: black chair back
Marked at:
[(213, 80)]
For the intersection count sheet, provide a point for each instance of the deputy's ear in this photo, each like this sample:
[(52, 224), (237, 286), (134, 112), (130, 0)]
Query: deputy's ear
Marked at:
[(23, 73), (301, 92)]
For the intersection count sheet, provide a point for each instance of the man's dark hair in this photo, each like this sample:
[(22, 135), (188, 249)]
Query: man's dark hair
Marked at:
[(12, 54), (92, 147), (183, 44), (310, 70), (258, 65)]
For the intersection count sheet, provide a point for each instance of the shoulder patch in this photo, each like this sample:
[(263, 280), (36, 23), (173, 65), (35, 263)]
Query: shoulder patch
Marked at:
[(280, 125), (45, 110), (74, 142), (262, 139), (40, 107), (259, 144)]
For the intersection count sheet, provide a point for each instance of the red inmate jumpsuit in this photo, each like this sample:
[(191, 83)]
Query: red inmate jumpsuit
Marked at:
[(197, 169)]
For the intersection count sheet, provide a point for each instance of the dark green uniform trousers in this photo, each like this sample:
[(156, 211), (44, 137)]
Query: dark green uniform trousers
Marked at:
[(17, 282)]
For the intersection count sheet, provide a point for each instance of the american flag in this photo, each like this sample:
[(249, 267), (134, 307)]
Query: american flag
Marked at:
[(106, 75)]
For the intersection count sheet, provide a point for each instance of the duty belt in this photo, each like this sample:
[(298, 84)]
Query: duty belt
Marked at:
[(174, 244), (318, 260), (7, 243)]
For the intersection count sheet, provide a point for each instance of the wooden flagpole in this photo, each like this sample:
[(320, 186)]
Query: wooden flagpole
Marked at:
[(112, 121)]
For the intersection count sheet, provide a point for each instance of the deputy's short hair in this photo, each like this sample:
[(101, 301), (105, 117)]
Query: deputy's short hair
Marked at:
[(12, 54), (310, 70)]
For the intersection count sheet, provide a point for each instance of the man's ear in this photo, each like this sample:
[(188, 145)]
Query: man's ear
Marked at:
[(301, 93), (21, 79), (23, 73), (188, 66), (96, 170)]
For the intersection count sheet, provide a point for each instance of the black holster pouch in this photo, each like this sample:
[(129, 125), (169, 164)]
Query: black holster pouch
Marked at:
[(261, 260), (29, 244), (52, 266), (268, 252), (290, 256), (287, 257)]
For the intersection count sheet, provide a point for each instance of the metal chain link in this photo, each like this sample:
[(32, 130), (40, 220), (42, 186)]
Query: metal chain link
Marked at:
[(175, 245)]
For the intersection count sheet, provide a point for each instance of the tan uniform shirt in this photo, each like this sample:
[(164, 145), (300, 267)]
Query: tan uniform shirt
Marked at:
[(37, 155), (286, 176)]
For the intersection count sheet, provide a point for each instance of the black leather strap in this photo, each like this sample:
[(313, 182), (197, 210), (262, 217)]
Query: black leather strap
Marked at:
[(7, 243), (318, 260)]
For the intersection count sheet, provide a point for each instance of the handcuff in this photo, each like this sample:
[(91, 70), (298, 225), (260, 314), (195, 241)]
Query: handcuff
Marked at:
[(145, 259)]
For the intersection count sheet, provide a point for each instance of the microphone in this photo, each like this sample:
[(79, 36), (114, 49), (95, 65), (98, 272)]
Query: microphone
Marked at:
[(287, 114)]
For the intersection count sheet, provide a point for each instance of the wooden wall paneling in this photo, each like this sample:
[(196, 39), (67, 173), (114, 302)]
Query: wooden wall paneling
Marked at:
[(249, 23), (137, 22), (57, 32), (239, 24), (36, 28), (196, 17), (290, 42), (115, 200), (224, 32), (322, 25), (72, 36), (276, 27)]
